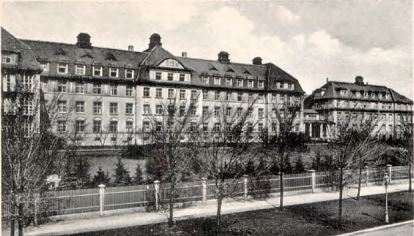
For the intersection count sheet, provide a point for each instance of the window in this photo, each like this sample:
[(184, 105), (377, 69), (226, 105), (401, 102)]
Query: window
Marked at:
[(260, 113), (146, 92), (114, 90), (216, 111), (158, 92), (170, 93), (97, 71), (274, 96), (113, 72), (249, 127), (228, 96), (204, 80), (290, 86), (217, 95), (27, 107), (129, 125), (205, 94), (128, 90), (250, 96), (261, 84), (6, 59), (205, 127), (80, 69), (80, 126), (147, 109), (239, 96), (129, 73), (158, 110), (274, 112), (96, 89), (239, 111), (228, 111), (79, 88), (182, 77), (113, 108), (250, 112), (97, 107), (193, 126), (61, 88), (250, 83), (61, 127), (182, 94), (62, 106), (260, 127), (128, 108), (170, 76), (113, 126), (240, 82), (62, 68), (158, 75), (44, 66), (205, 110), (193, 110), (97, 126), (261, 97), (273, 127), (216, 127), (228, 81), (80, 106), (181, 110), (8, 83), (216, 80), (193, 94), (27, 83)]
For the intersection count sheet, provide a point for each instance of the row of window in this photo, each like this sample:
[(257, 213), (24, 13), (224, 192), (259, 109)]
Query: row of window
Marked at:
[(230, 82), (113, 72), (22, 82), (365, 94), (62, 87), (80, 126), (97, 107), (169, 76), (374, 115)]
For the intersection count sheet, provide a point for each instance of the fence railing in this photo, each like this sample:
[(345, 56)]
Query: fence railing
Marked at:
[(155, 195)]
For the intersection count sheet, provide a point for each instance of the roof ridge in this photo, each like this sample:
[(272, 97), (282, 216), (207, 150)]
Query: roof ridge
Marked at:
[(211, 60)]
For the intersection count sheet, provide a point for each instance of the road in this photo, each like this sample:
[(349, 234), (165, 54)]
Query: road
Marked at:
[(400, 230)]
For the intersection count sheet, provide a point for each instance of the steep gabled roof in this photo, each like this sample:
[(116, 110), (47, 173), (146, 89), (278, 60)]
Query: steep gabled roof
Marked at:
[(276, 74), (27, 60), (157, 55)]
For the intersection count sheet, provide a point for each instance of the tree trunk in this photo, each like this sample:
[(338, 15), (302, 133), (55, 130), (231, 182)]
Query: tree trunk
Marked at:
[(171, 203), (409, 177), (359, 183), (218, 217), (20, 222), (281, 190), (12, 219), (341, 188)]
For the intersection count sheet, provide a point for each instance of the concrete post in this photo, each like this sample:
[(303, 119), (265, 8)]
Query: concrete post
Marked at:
[(157, 193), (245, 186), (313, 180), (36, 208), (204, 189), (366, 175), (101, 198), (389, 170)]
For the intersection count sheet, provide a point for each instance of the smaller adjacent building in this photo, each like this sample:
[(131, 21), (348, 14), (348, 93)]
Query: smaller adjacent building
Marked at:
[(339, 101)]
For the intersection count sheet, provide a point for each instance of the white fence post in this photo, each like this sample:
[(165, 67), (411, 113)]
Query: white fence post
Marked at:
[(389, 170), (366, 175), (204, 190), (245, 186), (313, 180), (36, 208), (101, 198), (157, 192)]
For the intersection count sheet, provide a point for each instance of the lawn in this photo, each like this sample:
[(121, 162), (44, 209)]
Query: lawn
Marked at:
[(308, 219)]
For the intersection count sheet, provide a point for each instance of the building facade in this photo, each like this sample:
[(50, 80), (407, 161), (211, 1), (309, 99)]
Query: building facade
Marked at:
[(339, 101), (109, 94)]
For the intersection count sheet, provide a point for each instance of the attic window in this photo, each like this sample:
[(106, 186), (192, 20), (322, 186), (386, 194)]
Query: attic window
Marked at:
[(60, 52), (246, 72), (87, 55), (230, 70), (213, 68), (110, 57)]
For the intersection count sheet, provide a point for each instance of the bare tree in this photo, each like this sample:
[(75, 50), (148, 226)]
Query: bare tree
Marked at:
[(279, 143), (405, 144), (225, 143), (30, 149), (170, 142)]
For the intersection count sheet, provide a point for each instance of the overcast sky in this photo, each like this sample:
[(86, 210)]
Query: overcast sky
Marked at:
[(310, 39)]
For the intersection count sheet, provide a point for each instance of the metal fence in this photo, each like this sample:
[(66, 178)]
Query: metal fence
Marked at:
[(151, 196)]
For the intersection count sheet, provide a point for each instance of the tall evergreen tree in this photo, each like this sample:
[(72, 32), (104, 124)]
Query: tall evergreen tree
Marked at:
[(121, 175), (299, 167), (101, 177), (138, 175)]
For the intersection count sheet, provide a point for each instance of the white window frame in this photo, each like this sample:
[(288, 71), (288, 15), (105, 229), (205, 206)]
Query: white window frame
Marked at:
[(182, 94), (216, 80), (158, 110), (129, 73), (113, 108), (114, 89), (80, 88), (129, 108), (260, 84), (81, 106), (146, 92), (96, 87), (146, 109), (158, 92), (62, 106), (94, 69), (111, 70), (62, 87), (80, 69), (45, 66), (113, 128), (205, 80), (97, 107), (4, 59), (62, 66), (128, 90)]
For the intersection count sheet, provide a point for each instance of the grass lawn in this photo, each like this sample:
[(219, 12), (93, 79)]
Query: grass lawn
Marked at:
[(308, 219)]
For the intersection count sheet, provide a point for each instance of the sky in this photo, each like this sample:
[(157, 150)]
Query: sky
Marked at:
[(310, 39)]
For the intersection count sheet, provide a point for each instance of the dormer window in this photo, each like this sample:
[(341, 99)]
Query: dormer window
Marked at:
[(157, 75), (290, 86), (97, 71), (6, 59), (372, 95), (62, 68), (110, 57), (113, 72), (250, 83), (182, 77), (228, 81), (365, 94), (80, 69), (344, 92), (357, 94), (387, 96), (240, 82), (216, 80), (380, 95), (261, 84), (129, 73), (45, 66), (170, 76), (60, 52), (204, 80)]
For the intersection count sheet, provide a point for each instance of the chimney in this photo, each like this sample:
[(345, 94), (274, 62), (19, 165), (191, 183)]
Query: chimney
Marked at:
[(359, 80), (84, 40), (223, 57), (184, 54), (257, 61), (155, 40), (130, 48)]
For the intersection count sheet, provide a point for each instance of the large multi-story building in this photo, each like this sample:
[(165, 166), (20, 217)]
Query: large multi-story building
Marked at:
[(340, 101), (110, 93)]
